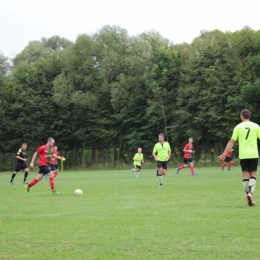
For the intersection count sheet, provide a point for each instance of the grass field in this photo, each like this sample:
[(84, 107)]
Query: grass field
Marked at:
[(123, 217)]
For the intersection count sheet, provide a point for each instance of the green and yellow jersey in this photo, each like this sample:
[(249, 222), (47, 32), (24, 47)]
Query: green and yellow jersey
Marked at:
[(162, 151), (140, 157)]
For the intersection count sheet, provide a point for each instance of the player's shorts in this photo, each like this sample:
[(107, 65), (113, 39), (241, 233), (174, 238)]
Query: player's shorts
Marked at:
[(138, 167), (20, 166), (55, 167), (163, 165), (249, 165), (45, 169), (228, 159), (187, 160)]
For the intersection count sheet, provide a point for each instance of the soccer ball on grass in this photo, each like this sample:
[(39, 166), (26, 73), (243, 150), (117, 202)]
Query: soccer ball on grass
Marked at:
[(78, 192)]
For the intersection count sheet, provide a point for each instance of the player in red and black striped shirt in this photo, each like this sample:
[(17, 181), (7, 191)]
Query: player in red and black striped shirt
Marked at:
[(45, 153)]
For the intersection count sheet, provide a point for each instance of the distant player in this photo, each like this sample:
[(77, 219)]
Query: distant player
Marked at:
[(20, 164), (45, 153), (188, 151), (161, 154), (138, 160), (229, 160), (54, 161)]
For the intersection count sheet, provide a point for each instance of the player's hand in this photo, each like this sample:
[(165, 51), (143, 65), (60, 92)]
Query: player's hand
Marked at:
[(221, 158), (31, 165), (25, 159), (156, 159)]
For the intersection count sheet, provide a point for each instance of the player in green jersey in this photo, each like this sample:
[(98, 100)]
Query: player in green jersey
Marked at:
[(161, 154), (246, 133), (138, 160)]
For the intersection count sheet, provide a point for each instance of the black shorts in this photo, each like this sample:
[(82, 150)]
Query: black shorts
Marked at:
[(187, 160), (249, 165), (44, 169), (137, 167), (54, 167), (228, 159), (163, 165), (20, 166)]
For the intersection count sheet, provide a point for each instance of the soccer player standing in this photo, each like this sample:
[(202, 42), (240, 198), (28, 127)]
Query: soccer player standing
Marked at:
[(188, 151), (138, 160), (21, 158), (228, 160), (246, 133), (161, 154), (45, 153), (54, 162)]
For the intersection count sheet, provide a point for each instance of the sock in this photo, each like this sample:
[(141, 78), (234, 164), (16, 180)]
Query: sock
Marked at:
[(13, 177), (55, 174), (25, 176), (245, 185), (181, 167), (52, 183), (224, 165), (230, 164), (160, 178), (252, 184), (32, 183), (192, 170)]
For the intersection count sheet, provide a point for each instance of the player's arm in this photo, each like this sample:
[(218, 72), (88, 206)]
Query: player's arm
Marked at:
[(155, 154), (20, 158), (229, 146), (169, 154), (33, 159)]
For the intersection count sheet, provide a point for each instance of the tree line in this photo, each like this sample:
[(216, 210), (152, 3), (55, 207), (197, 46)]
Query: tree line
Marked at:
[(113, 91)]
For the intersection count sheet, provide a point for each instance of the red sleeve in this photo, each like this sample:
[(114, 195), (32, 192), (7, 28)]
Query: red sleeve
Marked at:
[(40, 149)]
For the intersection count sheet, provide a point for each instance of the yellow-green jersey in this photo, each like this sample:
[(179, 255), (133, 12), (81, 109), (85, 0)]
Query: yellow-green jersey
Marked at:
[(140, 157), (247, 133), (162, 151)]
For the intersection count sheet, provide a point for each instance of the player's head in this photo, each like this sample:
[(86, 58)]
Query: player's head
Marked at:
[(139, 150), (55, 147), (50, 141), (161, 137), (24, 146), (245, 114), (190, 140)]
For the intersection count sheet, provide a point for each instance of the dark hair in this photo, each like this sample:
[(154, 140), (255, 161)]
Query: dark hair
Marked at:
[(161, 134), (245, 113)]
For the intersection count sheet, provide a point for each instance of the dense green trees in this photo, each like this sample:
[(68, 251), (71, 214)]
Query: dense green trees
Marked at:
[(111, 92)]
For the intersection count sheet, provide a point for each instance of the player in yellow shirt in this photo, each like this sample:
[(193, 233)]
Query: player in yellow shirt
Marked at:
[(138, 160), (161, 154), (247, 134)]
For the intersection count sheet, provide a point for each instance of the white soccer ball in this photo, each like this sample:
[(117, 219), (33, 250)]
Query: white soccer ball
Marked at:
[(78, 192)]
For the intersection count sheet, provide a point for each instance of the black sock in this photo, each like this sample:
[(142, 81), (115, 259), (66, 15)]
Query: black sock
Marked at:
[(13, 177), (25, 176)]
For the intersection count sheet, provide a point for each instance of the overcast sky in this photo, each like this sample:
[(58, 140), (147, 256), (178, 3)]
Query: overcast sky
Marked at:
[(22, 21)]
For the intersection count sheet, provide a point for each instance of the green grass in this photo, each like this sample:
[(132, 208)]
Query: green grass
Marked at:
[(122, 217)]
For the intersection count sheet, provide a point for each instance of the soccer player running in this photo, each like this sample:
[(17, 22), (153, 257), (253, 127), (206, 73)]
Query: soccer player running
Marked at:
[(161, 154), (54, 162), (20, 164), (229, 160), (45, 153), (247, 134), (138, 160), (188, 151)]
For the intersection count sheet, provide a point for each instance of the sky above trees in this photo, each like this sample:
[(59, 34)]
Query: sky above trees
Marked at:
[(178, 21)]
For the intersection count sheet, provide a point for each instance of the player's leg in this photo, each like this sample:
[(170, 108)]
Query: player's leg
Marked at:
[(192, 168), (160, 172), (137, 169), (35, 180), (230, 164), (13, 175), (26, 172), (185, 165), (52, 182), (249, 173), (56, 171), (223, 166)]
